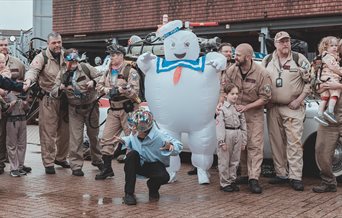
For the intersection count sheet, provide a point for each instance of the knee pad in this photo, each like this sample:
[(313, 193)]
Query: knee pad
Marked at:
[(334, 98), (325, 98)]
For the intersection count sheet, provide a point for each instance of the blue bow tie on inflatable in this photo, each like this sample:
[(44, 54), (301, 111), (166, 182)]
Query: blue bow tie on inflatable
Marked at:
[(165, 66)]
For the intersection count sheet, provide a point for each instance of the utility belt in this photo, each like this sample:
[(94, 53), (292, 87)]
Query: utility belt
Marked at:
[(82, 106), (127, 106), (233, 128), (14, 118), (42, 93), (280, 104)]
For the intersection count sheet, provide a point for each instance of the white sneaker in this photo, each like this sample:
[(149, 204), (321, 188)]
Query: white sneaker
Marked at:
[(15, 173), (321, 120), (173, 177), (330, 116)]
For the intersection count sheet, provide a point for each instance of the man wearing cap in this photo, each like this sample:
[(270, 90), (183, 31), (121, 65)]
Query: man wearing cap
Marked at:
[(53, 126), (255, 85), (78, 81), (286, 111), (17, 69), (148, 154), (121, 84)]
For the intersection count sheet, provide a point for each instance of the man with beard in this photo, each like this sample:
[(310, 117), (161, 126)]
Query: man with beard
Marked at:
[(53, 128), (255, 84), (17, 69), (120, 83), (290, 77)]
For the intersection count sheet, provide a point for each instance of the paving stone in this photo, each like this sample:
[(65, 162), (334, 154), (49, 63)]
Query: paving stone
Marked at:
[(64, 195)]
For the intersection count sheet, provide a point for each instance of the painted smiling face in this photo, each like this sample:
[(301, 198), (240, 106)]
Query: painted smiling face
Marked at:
[(182, 45), (179, 44)]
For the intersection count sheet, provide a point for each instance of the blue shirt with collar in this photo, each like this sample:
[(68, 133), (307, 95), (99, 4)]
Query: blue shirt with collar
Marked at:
[(149, 147)]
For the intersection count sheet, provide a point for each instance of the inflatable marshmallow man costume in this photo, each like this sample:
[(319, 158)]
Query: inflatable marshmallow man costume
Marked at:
[(182, 92)]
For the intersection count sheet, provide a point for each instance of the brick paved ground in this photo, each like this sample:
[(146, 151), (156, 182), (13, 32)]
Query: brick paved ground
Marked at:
[(63, 195)]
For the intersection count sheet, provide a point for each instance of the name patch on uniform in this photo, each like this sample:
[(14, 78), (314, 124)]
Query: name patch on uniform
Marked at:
[(286, 67), (293, 70), (250, 80)]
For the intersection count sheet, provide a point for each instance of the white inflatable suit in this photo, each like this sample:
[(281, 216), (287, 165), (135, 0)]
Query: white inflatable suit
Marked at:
[(182, 92)]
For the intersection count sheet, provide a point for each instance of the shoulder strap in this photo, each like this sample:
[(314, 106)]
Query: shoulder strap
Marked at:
[(126, 71), (46, 59), (295, 56), (86, 70), (268, 59)]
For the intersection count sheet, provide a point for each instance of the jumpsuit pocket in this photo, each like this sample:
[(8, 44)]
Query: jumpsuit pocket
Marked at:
[(251, 90)]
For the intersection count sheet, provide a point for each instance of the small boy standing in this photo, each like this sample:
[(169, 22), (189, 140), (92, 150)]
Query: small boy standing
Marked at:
[(231, 132), (16, 134)]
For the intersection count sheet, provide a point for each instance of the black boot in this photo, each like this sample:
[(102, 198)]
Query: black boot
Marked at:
[(107, 170)]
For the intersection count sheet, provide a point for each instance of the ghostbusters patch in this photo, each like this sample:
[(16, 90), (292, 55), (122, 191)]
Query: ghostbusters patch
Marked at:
[(267, 88), (134, 75)]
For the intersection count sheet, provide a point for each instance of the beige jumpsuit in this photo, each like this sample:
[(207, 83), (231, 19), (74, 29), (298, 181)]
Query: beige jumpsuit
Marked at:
[(80, 106), (17, 71), (285, 126), (255, 86), (16, 131), (231, 130), (117, 117), (53, 128)]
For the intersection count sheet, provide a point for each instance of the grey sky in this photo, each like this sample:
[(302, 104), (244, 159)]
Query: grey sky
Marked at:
[(16, 14)]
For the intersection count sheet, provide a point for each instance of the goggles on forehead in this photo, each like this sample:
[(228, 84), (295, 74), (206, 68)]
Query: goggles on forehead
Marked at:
[(72, 57), (140, 120)]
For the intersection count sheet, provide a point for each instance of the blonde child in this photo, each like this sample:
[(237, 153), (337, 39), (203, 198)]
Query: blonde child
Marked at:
[(232, 137), (330, 71)]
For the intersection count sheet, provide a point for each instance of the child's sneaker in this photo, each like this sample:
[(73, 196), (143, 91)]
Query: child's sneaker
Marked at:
[(330, 116), (22, 172), (321, 120), (26, 168), (15, 173)]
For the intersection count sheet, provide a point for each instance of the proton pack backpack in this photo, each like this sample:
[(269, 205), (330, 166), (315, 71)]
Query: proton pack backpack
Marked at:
[(295, 57), (315, 73)]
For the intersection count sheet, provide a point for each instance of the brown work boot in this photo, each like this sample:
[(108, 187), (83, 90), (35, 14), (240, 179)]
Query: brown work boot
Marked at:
[(297, 185), (193, 171), (107, 170), (324, 188), (129, 199), (254, 186), (63, 163)]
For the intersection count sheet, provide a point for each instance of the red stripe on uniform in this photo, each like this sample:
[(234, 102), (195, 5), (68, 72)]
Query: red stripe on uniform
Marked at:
[(104, 103)]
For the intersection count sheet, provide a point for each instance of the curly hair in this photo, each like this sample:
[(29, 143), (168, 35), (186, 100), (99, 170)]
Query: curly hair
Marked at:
[(325, 42), (228, 87)]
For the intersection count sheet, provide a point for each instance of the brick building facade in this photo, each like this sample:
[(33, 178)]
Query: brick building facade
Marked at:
[(87, 23)]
